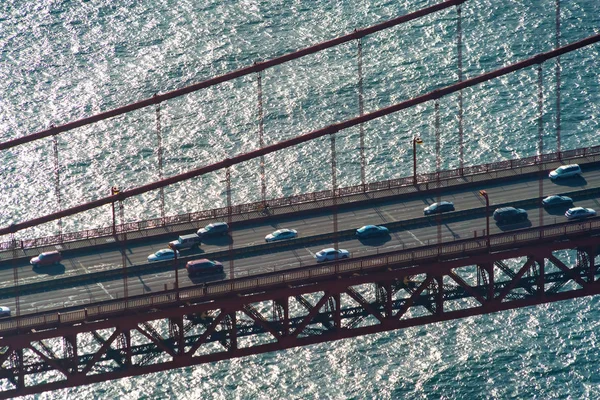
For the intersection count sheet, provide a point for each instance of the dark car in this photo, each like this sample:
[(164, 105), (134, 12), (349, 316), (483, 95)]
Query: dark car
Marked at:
[(371, 230), (185, 242), (203, 266), (214, 229), (46, 258), (509, 215), (441, 207), (556, 200)]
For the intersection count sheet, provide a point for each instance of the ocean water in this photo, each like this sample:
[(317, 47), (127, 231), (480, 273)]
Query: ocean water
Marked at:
[(65, 60)]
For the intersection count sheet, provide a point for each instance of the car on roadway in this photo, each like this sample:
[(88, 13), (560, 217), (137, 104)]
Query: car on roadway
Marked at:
[(371, 230), (509, 215), (214, 229), (565, 171), (203, 266), (441, 207), (185, 242), (580, 212), (46, 258), (281, 234), (163, 255), (4, 311), (556, 200), (331, 254)]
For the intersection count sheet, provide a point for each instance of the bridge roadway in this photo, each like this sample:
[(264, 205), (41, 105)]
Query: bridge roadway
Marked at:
[(415, 234)]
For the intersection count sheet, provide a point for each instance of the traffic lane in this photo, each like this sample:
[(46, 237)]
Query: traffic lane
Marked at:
[(414, 238), (315, 226), (321, 223), (269, 262), (264, 263)]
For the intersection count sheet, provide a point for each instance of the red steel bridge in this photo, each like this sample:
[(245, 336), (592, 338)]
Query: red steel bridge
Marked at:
[(253, 314)]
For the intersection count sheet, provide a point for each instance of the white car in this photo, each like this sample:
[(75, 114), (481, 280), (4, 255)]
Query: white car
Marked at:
[(162, 255), (331, 254), (565, 171), (580, 212), (281, 234), (4, 311)]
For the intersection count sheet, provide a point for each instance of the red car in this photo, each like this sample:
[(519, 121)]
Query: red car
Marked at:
[(47, 258)]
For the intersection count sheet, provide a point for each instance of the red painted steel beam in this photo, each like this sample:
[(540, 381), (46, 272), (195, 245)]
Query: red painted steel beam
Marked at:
[(306, 137), (515, 280), (257, 67), (466, 286), (335, 287), (304, 341), (352, 293), (552, 258)]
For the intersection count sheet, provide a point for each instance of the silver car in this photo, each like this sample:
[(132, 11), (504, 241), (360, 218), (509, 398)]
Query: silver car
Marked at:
[(331, 254), (580, 212), (281, 234), (162, 255), (4, 311), (565, 171)]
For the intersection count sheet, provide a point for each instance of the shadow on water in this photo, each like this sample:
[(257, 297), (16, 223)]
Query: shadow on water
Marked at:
[(56, 269)]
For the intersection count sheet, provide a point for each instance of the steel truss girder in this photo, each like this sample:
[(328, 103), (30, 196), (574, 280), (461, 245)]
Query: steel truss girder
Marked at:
[(343, 307)]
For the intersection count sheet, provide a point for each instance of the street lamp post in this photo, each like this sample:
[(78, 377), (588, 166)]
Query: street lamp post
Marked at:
[(114, 191), (487, 215), (416, 140), (175, 266)]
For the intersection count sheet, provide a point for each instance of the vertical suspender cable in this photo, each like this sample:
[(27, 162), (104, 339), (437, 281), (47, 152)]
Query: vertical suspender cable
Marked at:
[(556, 46), (15, 273), (461, 156), (334, 189), (540, 139), (57, 182), (123, 241), (438, 156), (438, 163), (261, 139), (229, 211), (361, 111), (540, 110), (159, 149), (124, 263)]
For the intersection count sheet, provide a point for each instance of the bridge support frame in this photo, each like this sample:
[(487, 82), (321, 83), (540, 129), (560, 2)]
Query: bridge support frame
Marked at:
[(343, 306)]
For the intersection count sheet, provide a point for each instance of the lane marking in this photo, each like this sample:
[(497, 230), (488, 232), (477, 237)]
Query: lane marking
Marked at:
[(83, 267), (390, 216), (416, 238), (105, 291), (100, 285)]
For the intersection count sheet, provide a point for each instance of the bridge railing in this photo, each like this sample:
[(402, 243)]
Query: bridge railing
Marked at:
[(403, 258), (401, 183)]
